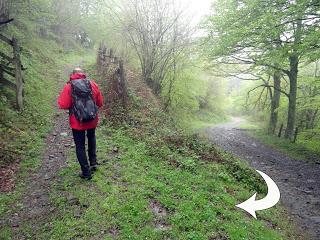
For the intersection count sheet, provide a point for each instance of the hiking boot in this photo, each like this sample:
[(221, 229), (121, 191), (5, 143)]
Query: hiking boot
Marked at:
[(87, 177), (94, 167)]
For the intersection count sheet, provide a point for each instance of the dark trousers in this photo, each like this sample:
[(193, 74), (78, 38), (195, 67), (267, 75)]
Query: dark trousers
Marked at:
[(79, 137)]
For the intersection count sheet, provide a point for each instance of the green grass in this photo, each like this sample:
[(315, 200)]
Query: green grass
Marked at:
[(303, 149), (199, 195)]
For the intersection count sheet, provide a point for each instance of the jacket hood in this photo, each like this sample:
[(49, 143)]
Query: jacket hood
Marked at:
[(75, 76)]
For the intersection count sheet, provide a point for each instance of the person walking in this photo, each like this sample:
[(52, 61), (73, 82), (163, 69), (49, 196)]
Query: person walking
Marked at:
[(83, 98)]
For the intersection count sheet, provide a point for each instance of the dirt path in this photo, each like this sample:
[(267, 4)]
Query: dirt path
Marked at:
[(298, 181), (35, 207)]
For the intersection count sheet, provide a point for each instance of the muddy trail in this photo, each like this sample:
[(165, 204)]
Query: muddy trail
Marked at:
[(35, 207), (297, 180)]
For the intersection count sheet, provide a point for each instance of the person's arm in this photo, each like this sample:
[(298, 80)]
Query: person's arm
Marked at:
[(65, 99), (98, 95)]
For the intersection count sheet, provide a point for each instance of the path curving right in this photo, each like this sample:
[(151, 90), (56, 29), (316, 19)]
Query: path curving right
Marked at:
[(298, 181)]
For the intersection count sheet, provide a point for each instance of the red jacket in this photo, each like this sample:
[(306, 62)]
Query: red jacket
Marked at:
[(65, 102)]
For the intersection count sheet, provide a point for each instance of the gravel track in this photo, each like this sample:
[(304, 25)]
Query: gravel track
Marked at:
[(298, 181)]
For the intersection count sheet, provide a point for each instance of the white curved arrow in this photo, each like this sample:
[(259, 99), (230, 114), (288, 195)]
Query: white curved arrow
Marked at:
[(252, 205)]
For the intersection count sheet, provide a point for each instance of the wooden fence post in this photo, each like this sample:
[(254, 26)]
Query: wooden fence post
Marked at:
[(280, 131), (18, 73), (110, 56), (116, 60), (111, 53), (122, 77), (123, 86)]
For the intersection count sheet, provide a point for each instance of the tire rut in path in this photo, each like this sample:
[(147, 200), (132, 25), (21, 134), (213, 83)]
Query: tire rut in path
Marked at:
[(297, 180)]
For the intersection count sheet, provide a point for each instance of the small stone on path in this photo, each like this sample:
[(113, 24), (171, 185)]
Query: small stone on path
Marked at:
[(15, 225), (64, 134)]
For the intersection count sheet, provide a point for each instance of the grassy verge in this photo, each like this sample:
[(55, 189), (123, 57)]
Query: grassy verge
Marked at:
[(303, 149)]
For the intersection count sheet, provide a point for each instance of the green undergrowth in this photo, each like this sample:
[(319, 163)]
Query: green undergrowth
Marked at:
[(305, 148), (155, 182)]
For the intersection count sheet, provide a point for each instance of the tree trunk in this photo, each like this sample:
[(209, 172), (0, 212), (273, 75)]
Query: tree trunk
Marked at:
[(275, 101), (293, 77)]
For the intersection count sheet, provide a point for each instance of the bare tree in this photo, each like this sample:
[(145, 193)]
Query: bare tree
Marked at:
[(158, 32)]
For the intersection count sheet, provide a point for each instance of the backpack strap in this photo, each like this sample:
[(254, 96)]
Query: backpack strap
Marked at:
[(88, 81), (71, 87)]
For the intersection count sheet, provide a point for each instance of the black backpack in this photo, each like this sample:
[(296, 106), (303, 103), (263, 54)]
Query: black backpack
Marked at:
[(83, 107)]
